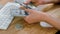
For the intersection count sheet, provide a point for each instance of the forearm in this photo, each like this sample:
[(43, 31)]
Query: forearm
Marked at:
[(52, 1), (53, 21), (56, 1)]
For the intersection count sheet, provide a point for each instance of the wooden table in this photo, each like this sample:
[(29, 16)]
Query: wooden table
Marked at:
[(5, 1), (28, 28)]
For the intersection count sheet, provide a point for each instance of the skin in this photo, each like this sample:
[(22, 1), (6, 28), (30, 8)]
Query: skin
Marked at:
[(37, 16), (38, 2)]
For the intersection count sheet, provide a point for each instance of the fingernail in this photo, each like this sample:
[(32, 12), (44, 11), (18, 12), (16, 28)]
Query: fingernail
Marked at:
[(25, 2)]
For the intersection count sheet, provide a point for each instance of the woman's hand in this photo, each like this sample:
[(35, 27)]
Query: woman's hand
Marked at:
[(34, 16)]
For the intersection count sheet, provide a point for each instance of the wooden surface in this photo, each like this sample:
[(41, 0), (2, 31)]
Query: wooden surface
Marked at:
[(3, 2), (28, 28)]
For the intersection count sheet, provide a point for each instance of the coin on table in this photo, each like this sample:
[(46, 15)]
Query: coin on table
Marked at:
[(19, 26)]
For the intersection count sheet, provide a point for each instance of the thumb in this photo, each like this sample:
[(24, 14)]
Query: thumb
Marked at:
[(27, 2)]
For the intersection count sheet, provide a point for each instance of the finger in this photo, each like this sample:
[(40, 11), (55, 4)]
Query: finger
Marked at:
[(27, 10), (27, 2)]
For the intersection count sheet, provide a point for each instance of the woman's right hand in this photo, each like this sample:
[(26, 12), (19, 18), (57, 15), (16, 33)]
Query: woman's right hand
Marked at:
[(38, 2)]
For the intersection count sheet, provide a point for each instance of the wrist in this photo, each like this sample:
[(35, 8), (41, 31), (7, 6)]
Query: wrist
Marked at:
[(45, 17)]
